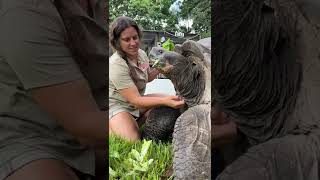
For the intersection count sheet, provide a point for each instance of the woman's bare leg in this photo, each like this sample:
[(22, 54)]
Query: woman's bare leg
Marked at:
[(124, 125), (48, 169)]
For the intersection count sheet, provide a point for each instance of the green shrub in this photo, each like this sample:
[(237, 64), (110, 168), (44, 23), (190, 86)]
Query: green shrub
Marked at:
[(140, 160)]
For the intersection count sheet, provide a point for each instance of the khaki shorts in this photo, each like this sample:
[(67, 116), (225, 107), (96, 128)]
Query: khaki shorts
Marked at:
[(24, 159), (20, 146), (115, 109)]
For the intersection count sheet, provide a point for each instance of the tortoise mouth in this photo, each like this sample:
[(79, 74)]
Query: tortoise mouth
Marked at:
[(158, 62), (161, 65)]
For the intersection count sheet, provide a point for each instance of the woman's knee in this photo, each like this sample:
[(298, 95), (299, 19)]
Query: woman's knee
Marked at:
[(123, 124)]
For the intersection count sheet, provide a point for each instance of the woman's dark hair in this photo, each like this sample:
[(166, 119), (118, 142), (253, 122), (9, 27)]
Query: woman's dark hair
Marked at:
[(117, 27)]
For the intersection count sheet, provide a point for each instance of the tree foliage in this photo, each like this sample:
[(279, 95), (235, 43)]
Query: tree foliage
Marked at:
[(149, 14), (155, 14), (200, 12)]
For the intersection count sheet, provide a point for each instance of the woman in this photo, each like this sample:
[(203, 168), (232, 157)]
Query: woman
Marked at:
[(51, 118), (129, 72)]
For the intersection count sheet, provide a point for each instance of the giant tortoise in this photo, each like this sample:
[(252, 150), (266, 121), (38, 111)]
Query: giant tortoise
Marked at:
[(189, 70), (266, 69)]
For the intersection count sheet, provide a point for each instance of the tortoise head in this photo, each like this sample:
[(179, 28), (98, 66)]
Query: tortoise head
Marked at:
[(189, 55), (188, 70), (154, 56)]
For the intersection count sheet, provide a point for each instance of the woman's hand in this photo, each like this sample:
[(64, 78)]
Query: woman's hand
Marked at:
[(175, 102), (132, 95)]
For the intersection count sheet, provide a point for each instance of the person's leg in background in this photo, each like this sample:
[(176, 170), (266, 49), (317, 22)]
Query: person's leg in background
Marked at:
[(48, 169)]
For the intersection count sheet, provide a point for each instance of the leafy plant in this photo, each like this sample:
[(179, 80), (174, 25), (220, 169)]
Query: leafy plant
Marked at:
[(138, 160), (112, 172), (168, 45)]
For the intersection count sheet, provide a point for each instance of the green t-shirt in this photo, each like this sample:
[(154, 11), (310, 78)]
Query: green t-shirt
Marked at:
[(119, 78), (33, 54)]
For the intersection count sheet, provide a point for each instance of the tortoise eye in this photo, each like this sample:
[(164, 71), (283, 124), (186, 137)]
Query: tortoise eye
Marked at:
[(160, 51)]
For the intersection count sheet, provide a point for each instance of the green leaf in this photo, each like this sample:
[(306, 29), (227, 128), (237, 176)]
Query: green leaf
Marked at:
[(128, 163), (168, 45), (115, 154), (150, 161), (140, 168), (145, 165), (145, 147), (131, 162), (136, 155), (136, 165), (156, 63), (112, 172), (131, 173)]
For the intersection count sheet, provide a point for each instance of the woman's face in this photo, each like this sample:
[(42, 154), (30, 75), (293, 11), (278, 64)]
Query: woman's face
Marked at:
[(130, 42)]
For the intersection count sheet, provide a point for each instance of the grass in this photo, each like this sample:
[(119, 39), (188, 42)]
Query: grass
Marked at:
[(139, 160)]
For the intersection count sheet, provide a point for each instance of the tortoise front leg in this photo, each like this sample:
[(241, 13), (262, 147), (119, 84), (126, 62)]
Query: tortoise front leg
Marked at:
[(192, 144)]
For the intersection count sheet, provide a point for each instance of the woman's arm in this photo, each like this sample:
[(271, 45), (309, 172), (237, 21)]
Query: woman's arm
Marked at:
[(44, 65), (73, 106), (132, 95)]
